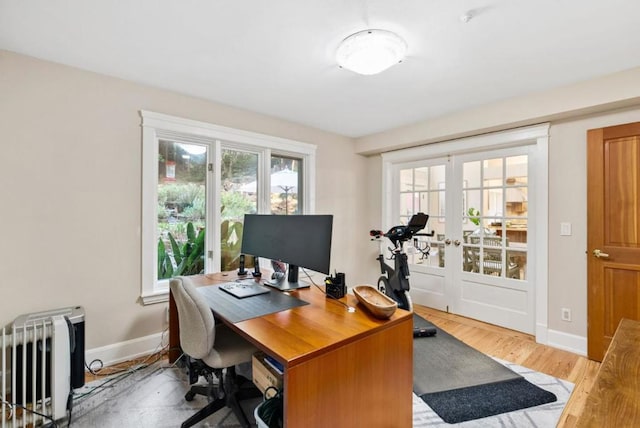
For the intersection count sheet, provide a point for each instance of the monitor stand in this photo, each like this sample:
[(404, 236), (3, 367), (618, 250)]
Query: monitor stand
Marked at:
[(288, 282)]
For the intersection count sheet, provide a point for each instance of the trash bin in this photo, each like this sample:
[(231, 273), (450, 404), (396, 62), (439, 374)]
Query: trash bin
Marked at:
[(259, 421)]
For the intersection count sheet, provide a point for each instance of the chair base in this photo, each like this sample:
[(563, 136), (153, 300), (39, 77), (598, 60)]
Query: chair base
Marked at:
[(243, 389), (205, 412), (233, 390)]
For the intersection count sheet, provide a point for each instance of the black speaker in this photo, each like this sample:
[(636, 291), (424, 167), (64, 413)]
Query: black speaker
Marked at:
[(336, 286), (241, 270)]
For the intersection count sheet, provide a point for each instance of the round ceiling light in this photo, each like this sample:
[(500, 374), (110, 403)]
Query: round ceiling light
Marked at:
[(371, 51)]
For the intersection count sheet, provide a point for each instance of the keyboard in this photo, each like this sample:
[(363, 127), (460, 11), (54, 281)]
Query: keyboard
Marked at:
[(244, 289)]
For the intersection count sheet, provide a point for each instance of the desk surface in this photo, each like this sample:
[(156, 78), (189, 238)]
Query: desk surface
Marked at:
[(614, 399), (295, 335), (343, 369)]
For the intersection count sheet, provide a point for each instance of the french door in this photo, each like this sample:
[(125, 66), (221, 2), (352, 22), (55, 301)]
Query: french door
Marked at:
[(481, 260)]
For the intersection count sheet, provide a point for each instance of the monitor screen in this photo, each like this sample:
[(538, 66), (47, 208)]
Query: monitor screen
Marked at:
[(298, 240)]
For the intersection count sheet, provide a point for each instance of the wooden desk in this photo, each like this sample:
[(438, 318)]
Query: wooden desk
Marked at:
[(614, 399), (341, 369)]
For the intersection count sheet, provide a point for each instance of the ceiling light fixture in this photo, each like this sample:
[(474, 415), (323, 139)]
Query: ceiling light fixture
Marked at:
[(371, 51)]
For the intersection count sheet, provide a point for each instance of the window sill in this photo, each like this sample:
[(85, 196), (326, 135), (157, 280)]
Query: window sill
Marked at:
[(159, 296)]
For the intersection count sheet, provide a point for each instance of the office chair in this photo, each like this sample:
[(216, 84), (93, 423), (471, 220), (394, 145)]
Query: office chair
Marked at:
[(216, 350)]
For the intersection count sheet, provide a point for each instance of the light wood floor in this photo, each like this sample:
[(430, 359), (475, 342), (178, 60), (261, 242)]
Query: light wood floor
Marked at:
[(521, 349)]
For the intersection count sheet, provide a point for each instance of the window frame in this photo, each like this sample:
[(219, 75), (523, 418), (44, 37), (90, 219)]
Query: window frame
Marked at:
[(157, 126)]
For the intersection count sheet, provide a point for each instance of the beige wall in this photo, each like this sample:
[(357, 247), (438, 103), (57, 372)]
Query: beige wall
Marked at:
[(71, 177), (567, 181), (568, 203), (603, 94), (71, 192)]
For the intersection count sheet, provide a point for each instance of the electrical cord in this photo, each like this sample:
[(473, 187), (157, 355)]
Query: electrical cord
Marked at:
[(351, 309), (119, 374), (159, 350), (116, 376), (12, 407), (271, 409)]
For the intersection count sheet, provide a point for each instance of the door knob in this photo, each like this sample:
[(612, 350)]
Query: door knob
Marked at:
[(599, 254), (456, 242), (447, 241)]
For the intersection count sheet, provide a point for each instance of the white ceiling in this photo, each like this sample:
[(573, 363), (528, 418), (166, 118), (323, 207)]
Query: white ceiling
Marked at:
[(277, 57)]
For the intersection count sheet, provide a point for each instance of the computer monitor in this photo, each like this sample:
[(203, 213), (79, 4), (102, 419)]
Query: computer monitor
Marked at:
[(298, 240)]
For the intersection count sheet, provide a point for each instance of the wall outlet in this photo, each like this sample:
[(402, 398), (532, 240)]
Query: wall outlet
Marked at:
[(566, 314), (166, 315)]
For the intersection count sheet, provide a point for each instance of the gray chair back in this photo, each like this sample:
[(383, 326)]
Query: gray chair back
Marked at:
[(197, 325)]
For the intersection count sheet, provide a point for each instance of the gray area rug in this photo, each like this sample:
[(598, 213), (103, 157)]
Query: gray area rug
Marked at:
[(442, 363), (544, 416), (147, 397)]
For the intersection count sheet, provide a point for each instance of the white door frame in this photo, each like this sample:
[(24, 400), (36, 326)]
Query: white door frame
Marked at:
[(537, 136)]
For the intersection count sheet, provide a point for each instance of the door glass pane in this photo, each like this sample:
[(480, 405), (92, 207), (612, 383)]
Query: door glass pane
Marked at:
[(406, 180), (516, 169), (436, 205), (471, 174), (495, 217), (492, 202), (471, 211), (181, 208), (239, 174), (437, 179), (469, 255), (423, 190), (406, 204), (516, 210), (286, 185), (421, 179), (492, 172)]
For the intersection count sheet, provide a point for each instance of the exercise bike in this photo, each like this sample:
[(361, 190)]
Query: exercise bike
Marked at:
[(394, 282)]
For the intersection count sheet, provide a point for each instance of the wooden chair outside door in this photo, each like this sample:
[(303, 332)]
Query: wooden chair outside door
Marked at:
[(613, 228)]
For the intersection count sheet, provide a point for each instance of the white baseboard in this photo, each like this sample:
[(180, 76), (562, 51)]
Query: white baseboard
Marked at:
[(542, 334), (125, 351), (567, 342)]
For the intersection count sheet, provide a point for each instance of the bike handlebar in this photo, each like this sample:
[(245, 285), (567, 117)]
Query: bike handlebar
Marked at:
[(376, 233), (404, 233), (379, 234)]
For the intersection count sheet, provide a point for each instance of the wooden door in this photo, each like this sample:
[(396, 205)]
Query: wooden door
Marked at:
[(613, 240)]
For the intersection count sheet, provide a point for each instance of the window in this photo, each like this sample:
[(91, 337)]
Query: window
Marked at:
[(286, 180), (199, 180), (181, 208)]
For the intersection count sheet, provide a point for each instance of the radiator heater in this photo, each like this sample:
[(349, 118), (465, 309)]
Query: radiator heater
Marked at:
[(39, 360)]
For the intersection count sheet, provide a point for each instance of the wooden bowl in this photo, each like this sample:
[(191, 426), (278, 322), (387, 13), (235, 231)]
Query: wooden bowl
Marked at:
[(379, 304)]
